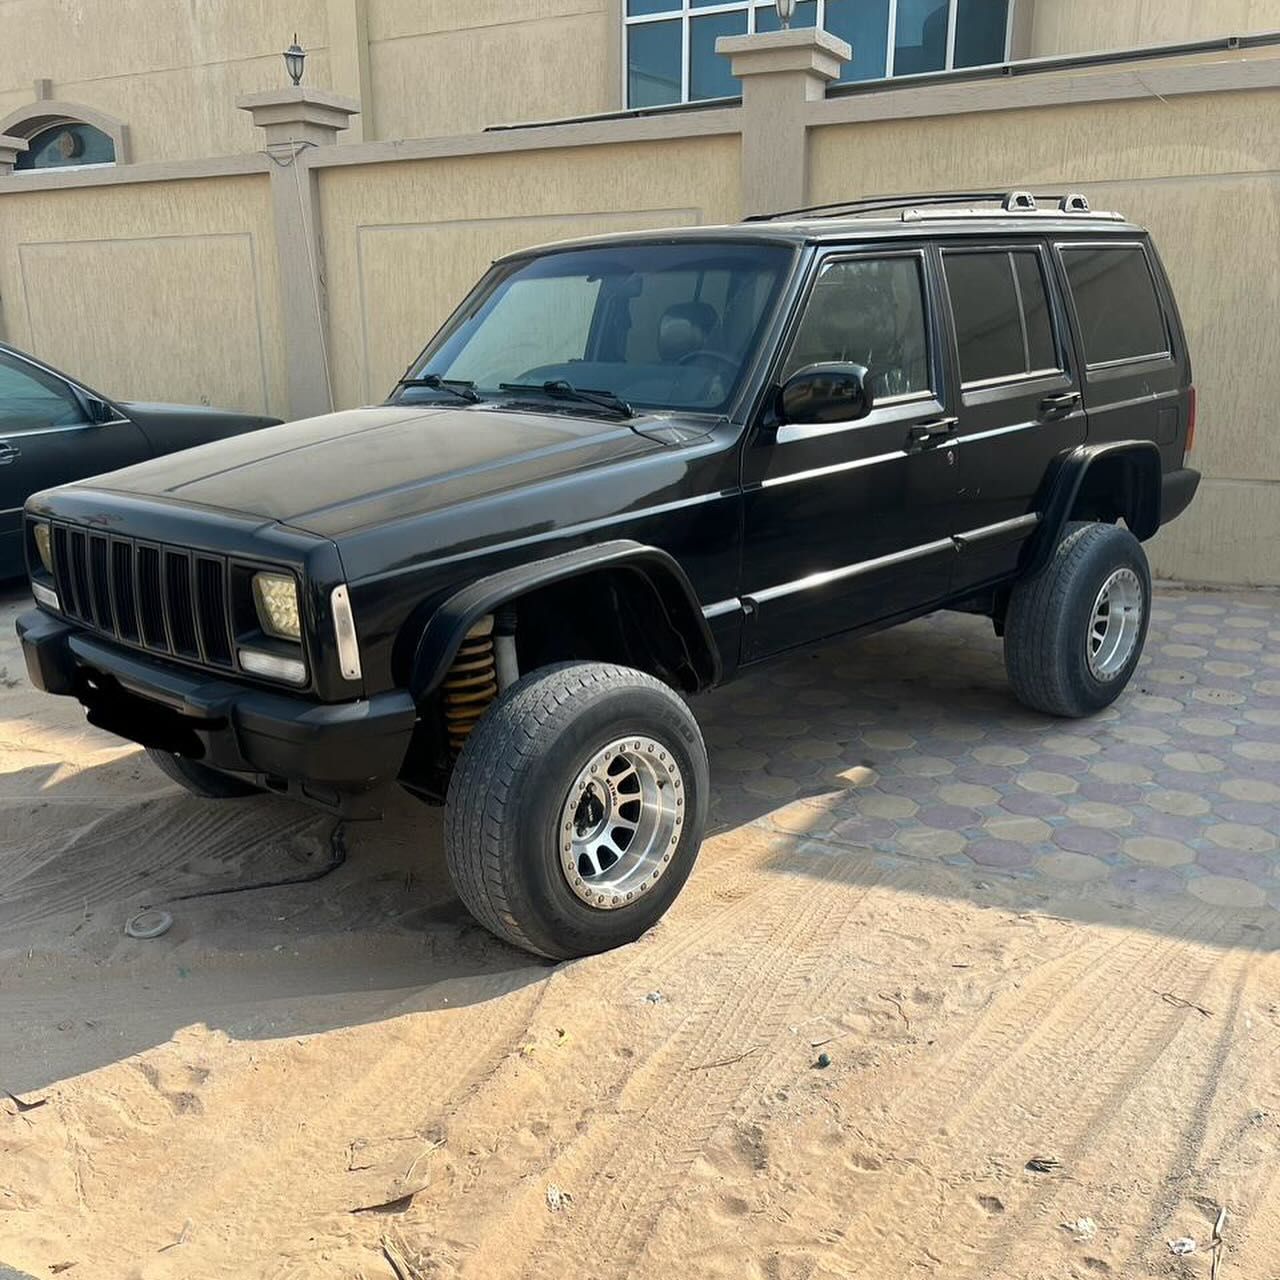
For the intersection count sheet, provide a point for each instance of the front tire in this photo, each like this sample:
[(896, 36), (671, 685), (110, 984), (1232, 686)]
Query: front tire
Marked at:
[(1074, 632), (576, 809), (199, 779)]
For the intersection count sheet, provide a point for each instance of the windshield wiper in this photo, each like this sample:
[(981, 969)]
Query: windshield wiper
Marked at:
[(559, 389), (454, 386)]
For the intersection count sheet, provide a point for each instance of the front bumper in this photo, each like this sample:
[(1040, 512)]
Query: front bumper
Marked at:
[(323, 747)]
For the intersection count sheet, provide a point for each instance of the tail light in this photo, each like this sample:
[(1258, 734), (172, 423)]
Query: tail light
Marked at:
[(1191, 422)]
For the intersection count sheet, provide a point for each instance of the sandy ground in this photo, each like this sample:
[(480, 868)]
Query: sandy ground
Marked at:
[(1014, 939)]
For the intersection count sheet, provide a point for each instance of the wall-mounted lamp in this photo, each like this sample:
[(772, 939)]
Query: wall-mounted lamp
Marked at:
[(295, 57)]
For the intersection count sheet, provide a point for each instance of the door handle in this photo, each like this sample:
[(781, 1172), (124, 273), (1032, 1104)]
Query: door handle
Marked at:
[(1057, 403), (8, 453), (925, 434)]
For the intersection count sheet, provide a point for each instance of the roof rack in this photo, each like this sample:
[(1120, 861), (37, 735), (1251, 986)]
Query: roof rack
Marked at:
[(942, 204)]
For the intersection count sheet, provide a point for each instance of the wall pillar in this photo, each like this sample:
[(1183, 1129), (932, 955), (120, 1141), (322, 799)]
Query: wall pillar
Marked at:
[(349, 62), (294, 120), (781, 71), (11, 148)]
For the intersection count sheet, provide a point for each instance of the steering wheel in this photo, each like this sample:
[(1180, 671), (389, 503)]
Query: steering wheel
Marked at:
[(704, 354)]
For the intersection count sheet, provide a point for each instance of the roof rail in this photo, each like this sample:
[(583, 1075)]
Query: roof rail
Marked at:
[(1016, 202)]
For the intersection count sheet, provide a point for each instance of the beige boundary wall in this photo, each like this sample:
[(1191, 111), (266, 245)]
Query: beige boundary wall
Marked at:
[(163, 280)]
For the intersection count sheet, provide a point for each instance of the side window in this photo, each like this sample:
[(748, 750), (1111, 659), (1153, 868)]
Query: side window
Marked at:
[(868, 311), (31, 398), (1001, 311), (1116, 303)]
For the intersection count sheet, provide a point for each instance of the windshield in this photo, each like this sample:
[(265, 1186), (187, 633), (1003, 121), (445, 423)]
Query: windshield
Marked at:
[(658, 326)]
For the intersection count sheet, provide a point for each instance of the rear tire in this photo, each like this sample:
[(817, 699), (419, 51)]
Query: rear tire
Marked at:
[(576, 808), (199, 779), (1074, 632)]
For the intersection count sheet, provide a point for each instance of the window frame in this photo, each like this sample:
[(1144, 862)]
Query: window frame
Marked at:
[(682, 11), (1046, 278), (936, 391), (1153, 357)]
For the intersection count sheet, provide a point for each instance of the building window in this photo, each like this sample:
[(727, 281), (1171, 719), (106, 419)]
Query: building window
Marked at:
[(670, 44), (65, 145)]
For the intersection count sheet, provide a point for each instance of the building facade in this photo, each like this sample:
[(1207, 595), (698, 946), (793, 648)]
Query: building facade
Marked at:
[(180, 225)]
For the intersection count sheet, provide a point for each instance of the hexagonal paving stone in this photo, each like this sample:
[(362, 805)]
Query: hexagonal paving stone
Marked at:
[(1194, 762), (1091, 840), (926, 766), (804, 817), (1119, 771), (888, 740), (1073, 868), (1185, 803), (949, 817), (1158, 851), (968, 794), (998, 853), (925, 842), (738, 759), (1227, 891), (1237, 835), (1094, 813), (1000, 755), (876, 804), (1256, 789), (1019, 829), (770, 786), (1070, 744), (1254, 867), (1053, 784)]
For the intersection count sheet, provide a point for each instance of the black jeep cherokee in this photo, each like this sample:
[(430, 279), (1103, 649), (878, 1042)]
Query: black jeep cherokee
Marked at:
[(626, 468)]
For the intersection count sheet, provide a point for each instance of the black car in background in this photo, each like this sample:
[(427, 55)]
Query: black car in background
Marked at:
[(54, 429)]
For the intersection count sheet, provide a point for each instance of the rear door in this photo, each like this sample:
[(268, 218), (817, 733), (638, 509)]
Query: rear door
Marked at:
[(1019, 396), (1134, 384), (849, 523)]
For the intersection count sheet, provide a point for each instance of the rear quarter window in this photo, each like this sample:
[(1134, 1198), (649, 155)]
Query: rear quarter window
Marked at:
[(1116, 304)]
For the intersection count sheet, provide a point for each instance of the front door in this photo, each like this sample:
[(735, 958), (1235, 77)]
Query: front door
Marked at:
[(47, 438), (849, 523), (1019, 396)]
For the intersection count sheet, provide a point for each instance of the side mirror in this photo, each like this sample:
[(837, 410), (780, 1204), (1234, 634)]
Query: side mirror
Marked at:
[(825, 393), (100, 411)]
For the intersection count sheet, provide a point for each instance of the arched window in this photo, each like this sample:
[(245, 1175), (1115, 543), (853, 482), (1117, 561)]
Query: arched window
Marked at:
[(65, 135), (64, 144)]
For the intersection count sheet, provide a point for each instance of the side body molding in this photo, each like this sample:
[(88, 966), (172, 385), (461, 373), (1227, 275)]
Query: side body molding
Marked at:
[(451, 620), (1137, 468)]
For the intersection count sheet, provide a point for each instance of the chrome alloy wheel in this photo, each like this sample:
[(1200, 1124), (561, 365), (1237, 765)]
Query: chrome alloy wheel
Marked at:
[(621, 822), (1114, 625)]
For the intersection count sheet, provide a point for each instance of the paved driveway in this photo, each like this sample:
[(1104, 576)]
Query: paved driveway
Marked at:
[(910, 744)]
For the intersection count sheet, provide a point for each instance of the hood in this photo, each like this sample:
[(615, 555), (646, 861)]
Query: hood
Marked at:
[(345, 471)]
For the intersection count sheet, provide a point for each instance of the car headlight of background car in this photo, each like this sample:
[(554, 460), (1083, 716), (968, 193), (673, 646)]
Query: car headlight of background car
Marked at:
[(275, 596)]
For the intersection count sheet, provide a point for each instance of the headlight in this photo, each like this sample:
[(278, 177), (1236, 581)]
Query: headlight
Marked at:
[(43, 536), (276, 599)]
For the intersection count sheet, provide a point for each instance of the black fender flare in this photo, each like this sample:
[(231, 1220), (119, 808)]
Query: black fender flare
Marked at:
[(1063, 484), (454, 616)]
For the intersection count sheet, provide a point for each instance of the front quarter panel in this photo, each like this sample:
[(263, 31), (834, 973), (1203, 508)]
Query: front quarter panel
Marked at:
[(684, 501)]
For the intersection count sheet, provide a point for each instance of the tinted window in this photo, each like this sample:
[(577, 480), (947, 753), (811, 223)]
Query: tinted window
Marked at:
[(1001, 311), (869, 311), (1116, 303), (1041, 353), (31, 398), (984, 302)]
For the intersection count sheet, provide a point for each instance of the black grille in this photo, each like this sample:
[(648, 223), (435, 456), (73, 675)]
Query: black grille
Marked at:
[(165, 599)]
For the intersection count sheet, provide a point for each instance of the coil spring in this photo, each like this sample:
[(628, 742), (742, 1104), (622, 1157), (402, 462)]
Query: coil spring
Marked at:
[(469, 688)]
